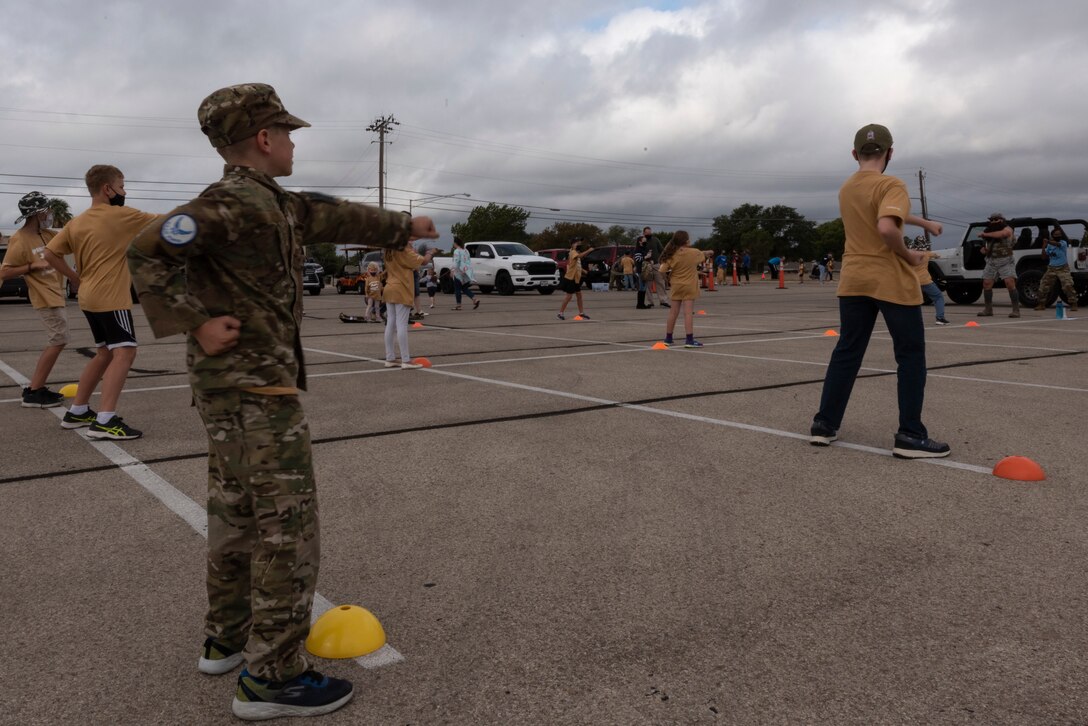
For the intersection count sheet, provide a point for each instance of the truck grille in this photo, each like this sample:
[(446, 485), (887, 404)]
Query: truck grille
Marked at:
[(541, 268)]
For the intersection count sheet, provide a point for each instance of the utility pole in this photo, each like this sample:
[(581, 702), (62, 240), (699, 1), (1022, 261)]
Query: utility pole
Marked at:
[(383, 125), (922, 194)]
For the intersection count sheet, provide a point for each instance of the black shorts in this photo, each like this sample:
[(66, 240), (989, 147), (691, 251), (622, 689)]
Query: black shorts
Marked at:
[(569, 286), (112, 329)]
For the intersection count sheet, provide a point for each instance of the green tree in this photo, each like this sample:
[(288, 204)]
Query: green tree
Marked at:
[(617, 234), (830, 237), (62, 213), (561, 233), (325, 254), (493, 222), (765, 232)]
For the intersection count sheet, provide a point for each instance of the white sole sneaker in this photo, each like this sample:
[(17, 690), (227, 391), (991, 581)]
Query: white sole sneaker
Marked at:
[(219, 666), (391, 364)]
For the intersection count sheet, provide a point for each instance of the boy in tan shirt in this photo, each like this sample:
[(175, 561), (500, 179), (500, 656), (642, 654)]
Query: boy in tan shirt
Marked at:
[(99, 238), (878, 277), (24, 257)]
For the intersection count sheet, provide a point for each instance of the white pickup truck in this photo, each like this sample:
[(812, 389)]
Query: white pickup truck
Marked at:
[(503, 267)]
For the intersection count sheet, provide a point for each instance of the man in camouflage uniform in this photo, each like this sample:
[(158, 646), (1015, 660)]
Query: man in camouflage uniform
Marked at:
[(1056, 251), (226, 268), (998, 244)]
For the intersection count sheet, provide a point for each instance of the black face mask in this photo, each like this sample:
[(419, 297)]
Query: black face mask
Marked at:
[(117, 200)]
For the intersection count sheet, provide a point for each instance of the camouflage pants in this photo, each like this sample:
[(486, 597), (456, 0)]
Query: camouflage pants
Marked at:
[(263, 546), (1061, 274)]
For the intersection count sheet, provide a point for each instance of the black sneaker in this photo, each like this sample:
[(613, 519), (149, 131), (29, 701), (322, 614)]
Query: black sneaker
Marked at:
[(115, 429), (909, 447), (41, 398), (217, 659), (942, 321), (585, 317), (822, 434), (78, 420), (560, 316), (665, 305), (307, 694)]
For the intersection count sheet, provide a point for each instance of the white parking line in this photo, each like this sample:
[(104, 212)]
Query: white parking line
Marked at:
[(189, 511), (678, 414)]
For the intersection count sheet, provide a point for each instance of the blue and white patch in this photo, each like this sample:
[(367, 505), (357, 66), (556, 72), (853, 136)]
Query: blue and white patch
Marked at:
[(179, 230)]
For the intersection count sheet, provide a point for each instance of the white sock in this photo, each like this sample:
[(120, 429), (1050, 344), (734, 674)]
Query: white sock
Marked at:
[(105, 416), (78, 410)]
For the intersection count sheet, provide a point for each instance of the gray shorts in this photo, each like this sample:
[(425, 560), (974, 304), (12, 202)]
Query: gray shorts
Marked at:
[(999, 268), (56, 324)]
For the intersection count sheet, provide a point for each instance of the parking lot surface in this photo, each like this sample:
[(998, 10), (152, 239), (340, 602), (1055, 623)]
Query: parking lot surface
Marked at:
[(557, 524)]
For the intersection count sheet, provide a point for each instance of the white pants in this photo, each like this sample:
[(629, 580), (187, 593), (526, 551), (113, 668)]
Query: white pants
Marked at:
[(396, 331)]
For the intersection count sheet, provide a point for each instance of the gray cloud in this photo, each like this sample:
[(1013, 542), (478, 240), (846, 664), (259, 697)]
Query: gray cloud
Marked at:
[(674, 111)]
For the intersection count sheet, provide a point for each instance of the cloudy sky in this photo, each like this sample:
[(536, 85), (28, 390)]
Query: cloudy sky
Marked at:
[(665, 113)]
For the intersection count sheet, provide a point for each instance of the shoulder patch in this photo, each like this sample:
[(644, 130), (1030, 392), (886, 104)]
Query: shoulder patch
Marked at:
[(179, 230)]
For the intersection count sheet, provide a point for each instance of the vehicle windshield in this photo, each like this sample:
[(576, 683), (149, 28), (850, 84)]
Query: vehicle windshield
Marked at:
[(508, 249)]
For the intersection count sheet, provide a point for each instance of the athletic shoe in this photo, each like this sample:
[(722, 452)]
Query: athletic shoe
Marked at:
[(408, 364), (308, 694), (665, 305), (78, 420), (668, 340), (692, 344), (560, 316), (584, 316), (822, 434), (41, 398), (942, 321), (218, 659), (909, 447), (391, 364), (475, 304), (114, 429)]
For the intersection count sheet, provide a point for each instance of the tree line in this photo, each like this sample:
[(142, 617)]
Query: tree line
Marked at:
[(765, 232)]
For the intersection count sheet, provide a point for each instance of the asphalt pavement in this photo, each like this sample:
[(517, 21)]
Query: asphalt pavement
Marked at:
[(557, 524)]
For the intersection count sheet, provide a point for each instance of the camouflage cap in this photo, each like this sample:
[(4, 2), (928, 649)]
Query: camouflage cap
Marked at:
[(234, 113), (32, 203), (872, 139)]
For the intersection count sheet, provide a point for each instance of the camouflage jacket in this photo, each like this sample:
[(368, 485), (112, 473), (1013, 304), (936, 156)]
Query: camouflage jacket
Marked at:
[(999, 246), (237, 250)]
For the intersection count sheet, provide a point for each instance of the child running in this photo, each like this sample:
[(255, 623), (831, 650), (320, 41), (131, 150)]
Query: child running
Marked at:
[(571, 283), (399, 296), (684, 260), (372, 286)]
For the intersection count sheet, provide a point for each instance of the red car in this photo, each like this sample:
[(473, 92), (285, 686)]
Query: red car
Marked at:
[(559, 256)]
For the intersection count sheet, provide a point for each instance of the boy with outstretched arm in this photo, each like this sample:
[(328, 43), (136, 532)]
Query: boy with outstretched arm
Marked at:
[(226, 268)]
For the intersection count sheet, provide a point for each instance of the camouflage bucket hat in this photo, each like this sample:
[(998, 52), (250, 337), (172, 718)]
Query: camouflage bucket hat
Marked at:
[(32, 203), (234, 113)]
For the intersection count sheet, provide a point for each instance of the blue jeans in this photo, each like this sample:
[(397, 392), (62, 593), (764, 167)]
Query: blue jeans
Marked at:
[(629, 282), (934, 293), (459, 287), (857, 315)]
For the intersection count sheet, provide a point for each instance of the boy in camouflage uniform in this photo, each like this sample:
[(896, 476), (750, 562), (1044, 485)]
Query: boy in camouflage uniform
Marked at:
[(1056, 251), (226, 268)]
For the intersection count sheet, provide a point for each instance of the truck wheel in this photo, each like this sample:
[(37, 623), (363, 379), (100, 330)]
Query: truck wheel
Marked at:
[(504, 284), (1027, 287), (340, 289), (486, 289), (964, 294), (545, 290)]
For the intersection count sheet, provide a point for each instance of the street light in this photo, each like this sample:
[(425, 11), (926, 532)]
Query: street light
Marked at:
[(423, 200)]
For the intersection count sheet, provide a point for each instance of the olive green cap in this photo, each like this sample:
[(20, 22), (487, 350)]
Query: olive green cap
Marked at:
[(872, 139)]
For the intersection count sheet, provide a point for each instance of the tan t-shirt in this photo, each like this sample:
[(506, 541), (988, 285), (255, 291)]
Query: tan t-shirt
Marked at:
[(869, 268), (399, 287), (46, 287), (99, 240), (574, 266)]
